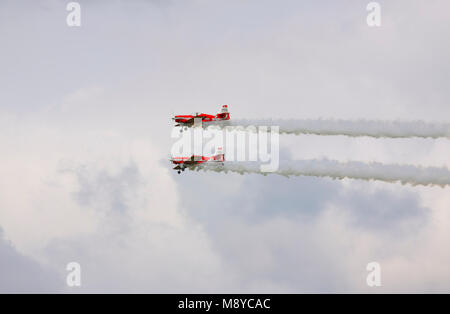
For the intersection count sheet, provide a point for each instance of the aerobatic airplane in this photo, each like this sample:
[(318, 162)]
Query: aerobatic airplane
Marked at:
[(186, 121), (194, 162)]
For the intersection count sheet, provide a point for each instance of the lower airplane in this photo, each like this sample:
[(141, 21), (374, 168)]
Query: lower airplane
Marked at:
[(196, 162)]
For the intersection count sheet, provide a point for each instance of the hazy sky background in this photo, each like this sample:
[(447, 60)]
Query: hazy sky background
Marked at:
[(85, 136)]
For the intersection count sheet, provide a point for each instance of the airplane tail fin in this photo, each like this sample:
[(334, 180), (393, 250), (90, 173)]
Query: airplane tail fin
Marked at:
[(224, 114), (219, 156)]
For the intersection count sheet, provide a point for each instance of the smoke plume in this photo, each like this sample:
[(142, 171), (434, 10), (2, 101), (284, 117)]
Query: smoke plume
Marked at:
[(372, 128), (405, 174)]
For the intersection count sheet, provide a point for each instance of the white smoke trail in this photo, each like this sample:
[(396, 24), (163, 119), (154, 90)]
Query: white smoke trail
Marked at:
[(405, 174), (372, 128)]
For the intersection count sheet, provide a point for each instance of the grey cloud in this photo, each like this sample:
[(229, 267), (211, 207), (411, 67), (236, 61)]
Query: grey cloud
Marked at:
[(110, 188), (385, 211), (22, 274), (258, 198), (268, 229)]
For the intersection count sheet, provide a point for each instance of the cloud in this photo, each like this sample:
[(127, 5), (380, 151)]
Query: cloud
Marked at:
[(100, 198), (22, 274), (311, 235), (85, 137)]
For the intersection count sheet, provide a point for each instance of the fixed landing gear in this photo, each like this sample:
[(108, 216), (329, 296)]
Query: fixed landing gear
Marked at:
[(179, 171), (183, 128)]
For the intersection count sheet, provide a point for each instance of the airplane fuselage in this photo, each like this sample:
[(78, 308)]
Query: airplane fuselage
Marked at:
[(181, 163), (188, 120)]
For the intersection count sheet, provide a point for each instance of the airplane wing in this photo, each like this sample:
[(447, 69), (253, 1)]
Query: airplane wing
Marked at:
[(188, 122), (195, 158)]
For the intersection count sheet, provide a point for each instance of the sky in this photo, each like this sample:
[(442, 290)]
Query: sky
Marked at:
[(85, 134)]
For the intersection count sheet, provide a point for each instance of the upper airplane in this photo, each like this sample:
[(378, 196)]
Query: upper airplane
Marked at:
[(188, 120)]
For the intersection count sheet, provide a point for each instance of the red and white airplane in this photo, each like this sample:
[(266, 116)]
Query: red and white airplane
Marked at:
[(188, 120), (193, 162)]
